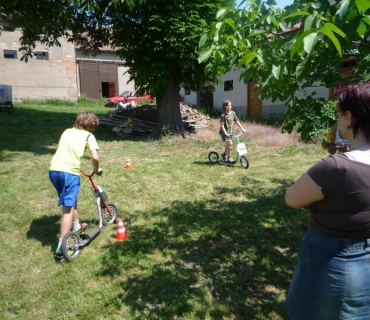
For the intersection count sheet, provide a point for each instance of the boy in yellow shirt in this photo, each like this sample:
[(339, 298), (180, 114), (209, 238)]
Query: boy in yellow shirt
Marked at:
[(65, 170)]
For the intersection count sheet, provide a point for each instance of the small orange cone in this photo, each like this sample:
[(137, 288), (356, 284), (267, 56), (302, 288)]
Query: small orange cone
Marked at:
[(128, 164), (121, 231)]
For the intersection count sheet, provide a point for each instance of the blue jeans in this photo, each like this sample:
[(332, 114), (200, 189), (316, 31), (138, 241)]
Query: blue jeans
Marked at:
[(331, 280)]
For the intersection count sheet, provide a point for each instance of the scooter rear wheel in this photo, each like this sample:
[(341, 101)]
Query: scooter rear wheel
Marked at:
[(71, 246), (244, 162), (213, 157), (107, 218)]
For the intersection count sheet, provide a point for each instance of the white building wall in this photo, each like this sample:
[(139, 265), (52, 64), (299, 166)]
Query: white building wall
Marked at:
[(123, 83), (238, 95), (278, 108), (190, 99)]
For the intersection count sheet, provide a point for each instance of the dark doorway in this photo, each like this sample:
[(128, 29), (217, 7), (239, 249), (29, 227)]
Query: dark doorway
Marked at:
[(206, 100), (105, 89), (108, 89)]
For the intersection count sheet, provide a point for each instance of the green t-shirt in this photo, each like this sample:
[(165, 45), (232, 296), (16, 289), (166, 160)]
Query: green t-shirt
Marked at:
[(72, 145), (228, 119)]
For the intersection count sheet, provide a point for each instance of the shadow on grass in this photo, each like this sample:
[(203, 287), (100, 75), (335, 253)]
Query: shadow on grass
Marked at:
[(229, 259), (207, 163), (31, 130), (47, 228)]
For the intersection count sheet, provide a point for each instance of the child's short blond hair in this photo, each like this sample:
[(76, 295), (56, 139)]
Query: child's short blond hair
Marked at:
[(225, 103), (85, 119)]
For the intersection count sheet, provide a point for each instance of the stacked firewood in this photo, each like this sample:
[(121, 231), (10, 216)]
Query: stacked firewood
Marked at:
[(192, 118), (121, 121), (127, 125)]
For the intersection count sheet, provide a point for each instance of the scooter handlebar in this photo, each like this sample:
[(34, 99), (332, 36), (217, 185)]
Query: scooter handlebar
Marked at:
[(100, 173), (237, 135)]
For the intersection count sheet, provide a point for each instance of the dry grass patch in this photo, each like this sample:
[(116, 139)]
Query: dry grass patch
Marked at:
[(259, 134)]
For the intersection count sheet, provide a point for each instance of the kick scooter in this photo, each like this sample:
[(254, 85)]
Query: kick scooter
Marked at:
[(107, 213), (241, 151)]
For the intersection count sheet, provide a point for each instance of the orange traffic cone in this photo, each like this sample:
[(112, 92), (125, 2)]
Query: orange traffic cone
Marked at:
[(121, 231), (128, 164)]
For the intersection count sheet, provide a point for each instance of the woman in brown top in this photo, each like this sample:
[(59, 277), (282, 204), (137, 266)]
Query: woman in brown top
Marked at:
[(332, 277)]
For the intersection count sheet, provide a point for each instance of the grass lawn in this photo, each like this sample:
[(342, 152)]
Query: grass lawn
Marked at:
[(205, 241)]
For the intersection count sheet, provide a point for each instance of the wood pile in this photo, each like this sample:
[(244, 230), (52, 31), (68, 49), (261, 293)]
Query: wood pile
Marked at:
[(143, 120), (192, 118)]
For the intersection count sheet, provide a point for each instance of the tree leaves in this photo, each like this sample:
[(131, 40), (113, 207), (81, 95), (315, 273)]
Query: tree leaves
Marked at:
[(332, 37), (363, 5), (309, 42), (204, 54), (291, 49)]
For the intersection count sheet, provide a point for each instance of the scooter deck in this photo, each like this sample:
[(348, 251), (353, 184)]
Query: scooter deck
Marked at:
[(92, 234), (226, 162)]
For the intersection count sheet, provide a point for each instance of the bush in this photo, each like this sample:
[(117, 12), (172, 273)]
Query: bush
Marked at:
[(311, 124)]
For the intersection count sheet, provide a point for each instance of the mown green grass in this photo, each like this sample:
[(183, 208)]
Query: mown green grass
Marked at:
[(205, 241)]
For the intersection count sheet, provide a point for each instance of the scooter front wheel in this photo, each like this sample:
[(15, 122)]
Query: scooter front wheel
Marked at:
[(213, 157), (107, 217), (71, 246), (244, 162)]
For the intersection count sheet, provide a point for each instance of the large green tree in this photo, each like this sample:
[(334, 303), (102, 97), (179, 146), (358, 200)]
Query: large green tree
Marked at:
[(157, 39), (292, 49)]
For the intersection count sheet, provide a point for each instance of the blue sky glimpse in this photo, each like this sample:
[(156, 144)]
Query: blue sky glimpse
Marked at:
[(280, 3)]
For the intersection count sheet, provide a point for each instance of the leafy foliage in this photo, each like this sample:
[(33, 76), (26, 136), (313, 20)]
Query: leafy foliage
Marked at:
[(158, 40), (290, 50)]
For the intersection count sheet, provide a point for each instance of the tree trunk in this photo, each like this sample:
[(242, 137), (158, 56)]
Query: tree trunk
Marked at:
[(169, 118)]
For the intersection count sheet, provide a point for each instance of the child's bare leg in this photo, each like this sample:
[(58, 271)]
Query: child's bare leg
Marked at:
[(228, 147), (65, 226), (75, 213)]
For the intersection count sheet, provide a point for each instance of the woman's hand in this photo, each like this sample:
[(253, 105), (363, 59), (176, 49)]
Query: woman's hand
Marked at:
[(342, 147)]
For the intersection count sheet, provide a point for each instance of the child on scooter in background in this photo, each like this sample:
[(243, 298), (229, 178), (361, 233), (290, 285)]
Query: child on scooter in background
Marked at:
[(227, 122), (65, 170)]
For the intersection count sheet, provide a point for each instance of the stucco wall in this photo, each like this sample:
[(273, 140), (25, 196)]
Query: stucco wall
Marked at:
[(238, 95), (190, 99), (39, 79), (123, 83)]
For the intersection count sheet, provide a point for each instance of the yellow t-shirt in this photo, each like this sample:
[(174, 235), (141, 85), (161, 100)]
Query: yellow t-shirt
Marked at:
[(72, 145)]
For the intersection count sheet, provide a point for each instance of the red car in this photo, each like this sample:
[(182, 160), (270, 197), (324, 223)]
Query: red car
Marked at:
[(127, 96)]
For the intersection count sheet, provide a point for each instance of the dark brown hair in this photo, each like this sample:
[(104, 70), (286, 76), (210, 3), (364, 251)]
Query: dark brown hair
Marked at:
[(356, 99)]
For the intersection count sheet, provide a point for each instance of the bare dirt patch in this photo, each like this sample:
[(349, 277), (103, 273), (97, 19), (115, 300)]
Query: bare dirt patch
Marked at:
[(261, 134)]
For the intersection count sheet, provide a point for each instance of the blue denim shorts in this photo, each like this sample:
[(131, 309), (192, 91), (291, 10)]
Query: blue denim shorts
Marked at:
[(67, 186), (224, 138), (331, 280)]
